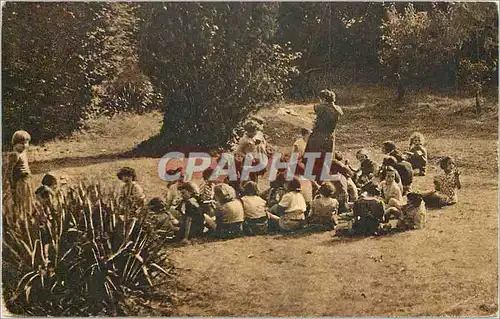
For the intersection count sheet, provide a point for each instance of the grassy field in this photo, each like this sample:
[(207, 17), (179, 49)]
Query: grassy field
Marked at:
[(448, 268)]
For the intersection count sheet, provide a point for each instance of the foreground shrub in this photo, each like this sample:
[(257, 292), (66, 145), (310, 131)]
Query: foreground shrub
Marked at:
[(82, 255)]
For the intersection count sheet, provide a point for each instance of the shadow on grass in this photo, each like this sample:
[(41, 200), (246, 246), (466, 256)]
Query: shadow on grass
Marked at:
[(153, 147)]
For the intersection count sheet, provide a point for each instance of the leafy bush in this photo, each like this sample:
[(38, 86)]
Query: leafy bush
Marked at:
[(213, 63), (125, 94), (52, 54), (83, 256), (127, 89)]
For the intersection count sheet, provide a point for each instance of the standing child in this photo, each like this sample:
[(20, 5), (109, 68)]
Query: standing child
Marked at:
[(299, 146), (446, 186), (131, 194), (19, 176), (417, 156)]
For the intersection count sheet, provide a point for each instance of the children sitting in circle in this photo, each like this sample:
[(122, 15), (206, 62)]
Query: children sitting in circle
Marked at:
[(370, 196)]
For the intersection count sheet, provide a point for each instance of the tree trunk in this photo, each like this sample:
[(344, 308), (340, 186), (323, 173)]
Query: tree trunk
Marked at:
[(478, 101)]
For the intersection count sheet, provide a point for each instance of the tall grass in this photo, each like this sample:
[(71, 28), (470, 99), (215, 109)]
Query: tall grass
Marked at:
[(82, 254)]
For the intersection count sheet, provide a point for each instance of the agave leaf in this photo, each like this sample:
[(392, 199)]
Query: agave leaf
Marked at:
[(36, 253), (160, 269), (120, 251), (146, 274), (21, 282), (13, 251), (28, 286), (68, 252), (110, 282)]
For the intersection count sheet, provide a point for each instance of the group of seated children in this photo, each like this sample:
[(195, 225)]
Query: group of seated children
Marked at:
[(371, 195)]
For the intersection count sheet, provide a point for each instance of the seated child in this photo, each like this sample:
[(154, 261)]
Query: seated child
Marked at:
[(338, 167), (324, 208), (161, 220), (255, 210), (417, 155), (230, 213), (307, 187), (389, 149), (413, 214), (192, 219), (299, 146), (45, 193), (391, 192), (404, 173), (367, 169), (291, 209), (131, 194), (340, 193), (277, 190), (207, 192), (368, 211), (173, 195), (446, 186)]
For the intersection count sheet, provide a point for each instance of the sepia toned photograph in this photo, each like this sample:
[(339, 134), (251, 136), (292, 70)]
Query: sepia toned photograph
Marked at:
[(262, 159)]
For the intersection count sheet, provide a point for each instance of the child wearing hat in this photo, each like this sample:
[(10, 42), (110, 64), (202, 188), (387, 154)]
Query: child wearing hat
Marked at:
[(161, 220), (131, 193), (389, 148)]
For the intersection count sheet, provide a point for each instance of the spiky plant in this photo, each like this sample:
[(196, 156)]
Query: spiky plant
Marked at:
[(80, 254)]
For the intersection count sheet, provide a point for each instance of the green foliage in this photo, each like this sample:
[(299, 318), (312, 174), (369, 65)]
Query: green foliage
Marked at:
[(80, 255), (52, 54), (214, 63), (127, 89), (428, 45)]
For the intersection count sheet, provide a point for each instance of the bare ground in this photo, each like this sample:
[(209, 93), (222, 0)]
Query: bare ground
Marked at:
[(448, 268)]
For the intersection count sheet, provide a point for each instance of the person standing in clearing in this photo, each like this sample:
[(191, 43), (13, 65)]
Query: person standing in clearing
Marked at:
[(300, 145), (19, 176), (322, 138)]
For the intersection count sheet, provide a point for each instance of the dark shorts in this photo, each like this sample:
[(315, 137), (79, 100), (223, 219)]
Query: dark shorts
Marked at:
[(231, 230), (255, 226)]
